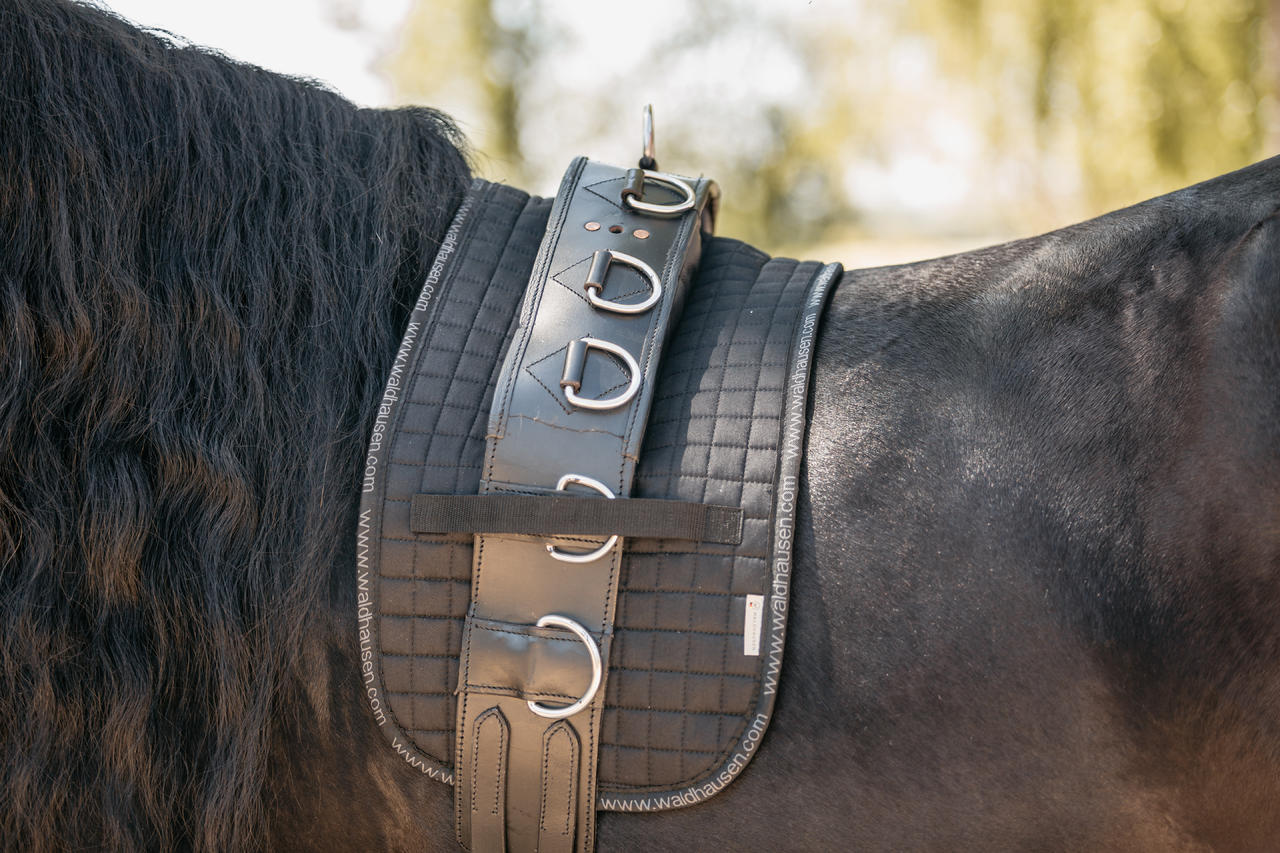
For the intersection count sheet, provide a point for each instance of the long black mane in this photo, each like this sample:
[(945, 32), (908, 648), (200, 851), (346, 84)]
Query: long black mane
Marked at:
[(204, 268)]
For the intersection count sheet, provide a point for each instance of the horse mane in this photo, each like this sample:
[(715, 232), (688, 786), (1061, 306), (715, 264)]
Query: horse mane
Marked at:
[(204, 271)]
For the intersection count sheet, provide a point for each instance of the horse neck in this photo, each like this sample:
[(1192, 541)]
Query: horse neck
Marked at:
[(205, 270)]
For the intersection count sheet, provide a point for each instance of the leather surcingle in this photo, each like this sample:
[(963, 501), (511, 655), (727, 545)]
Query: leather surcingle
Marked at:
[(579, 422), (532, 422)]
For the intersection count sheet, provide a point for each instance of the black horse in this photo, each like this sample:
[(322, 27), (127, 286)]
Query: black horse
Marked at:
[(1037, 591)]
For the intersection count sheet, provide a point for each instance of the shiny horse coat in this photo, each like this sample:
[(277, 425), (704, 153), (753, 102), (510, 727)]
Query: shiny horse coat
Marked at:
[(1035, 598)]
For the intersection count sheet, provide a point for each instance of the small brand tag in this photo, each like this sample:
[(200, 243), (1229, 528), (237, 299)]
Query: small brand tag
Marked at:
[(751, 628)]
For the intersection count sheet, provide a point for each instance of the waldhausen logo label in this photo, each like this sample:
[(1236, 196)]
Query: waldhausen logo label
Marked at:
[(752, 625), (366, 580), (387, 406), (689, 796), (785, 505), (391, 395)]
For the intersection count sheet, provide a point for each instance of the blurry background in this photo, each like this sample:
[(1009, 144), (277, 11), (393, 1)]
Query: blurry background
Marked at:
[(866, 131)]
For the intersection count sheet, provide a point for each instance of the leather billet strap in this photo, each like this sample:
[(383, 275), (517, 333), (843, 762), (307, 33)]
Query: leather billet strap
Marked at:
[(568, 417)]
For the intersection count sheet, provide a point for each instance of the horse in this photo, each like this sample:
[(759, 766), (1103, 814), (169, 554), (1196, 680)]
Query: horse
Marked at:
[(1036, 592)]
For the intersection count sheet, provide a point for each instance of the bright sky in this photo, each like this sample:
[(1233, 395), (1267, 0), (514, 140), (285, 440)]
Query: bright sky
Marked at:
[(299, 37)]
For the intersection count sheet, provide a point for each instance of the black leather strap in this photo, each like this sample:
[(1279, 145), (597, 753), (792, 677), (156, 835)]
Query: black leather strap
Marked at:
[(572, 399)]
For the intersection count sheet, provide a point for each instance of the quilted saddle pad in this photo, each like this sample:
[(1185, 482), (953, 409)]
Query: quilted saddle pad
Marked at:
[(697, 651)]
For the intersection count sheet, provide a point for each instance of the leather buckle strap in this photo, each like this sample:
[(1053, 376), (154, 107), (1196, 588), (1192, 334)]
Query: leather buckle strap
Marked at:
[(573, 396)]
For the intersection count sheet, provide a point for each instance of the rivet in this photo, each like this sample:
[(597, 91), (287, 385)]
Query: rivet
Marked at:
[(592, 226), (642, 234)]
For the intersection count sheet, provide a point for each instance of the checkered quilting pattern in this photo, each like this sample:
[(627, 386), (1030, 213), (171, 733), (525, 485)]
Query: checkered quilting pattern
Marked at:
[(680, 689), (438, 447)]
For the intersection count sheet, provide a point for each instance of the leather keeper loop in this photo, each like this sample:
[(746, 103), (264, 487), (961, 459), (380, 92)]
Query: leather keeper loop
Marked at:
[(542, 664), (598, 271), (633, 187), (575, 364)]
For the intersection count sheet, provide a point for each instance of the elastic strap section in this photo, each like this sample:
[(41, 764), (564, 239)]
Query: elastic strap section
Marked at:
[(564, 515)]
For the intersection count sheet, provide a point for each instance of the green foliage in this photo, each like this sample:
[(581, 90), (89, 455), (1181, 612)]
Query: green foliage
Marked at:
[(1138, 96), (455, 55), (1032, 113)]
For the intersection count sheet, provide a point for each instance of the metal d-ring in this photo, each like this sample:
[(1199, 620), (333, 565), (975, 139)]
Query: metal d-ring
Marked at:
[(597, 670), (594, 284), (588, 556), (575, 362), (674, 182)]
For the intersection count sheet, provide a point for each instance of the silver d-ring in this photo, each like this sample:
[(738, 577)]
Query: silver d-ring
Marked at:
[(597, 670), (575, 360), (589, 556), (676, 183), (600, 262)]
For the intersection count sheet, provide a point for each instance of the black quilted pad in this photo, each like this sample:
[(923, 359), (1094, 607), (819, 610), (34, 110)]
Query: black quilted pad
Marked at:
[(684, 701)]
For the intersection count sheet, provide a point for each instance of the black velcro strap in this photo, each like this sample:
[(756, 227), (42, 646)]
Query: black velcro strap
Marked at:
[(568, 515)]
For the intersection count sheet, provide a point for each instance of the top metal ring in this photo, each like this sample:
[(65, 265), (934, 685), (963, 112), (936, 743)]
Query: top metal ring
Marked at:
[(648, 152)]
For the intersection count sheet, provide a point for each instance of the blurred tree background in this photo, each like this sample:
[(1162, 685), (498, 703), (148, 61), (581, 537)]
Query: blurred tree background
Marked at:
[(927, 124)]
